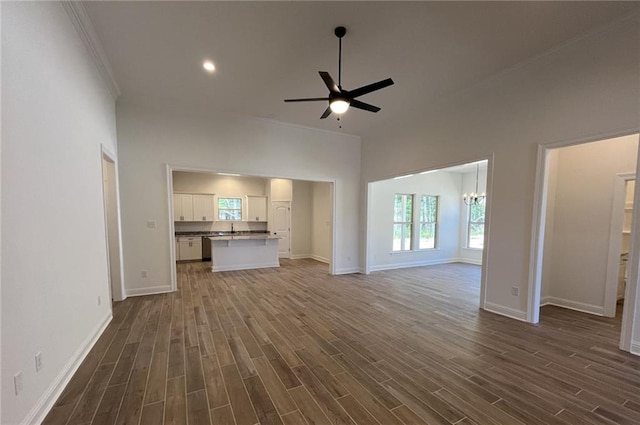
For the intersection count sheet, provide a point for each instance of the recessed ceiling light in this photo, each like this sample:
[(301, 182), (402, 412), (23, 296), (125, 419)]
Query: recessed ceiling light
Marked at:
[(208, 66)]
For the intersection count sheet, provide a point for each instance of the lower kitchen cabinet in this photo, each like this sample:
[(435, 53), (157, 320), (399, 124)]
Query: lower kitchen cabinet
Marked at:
[(189, 248)]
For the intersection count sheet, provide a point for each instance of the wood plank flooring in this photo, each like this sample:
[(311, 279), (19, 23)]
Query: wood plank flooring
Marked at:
[(297, 346)]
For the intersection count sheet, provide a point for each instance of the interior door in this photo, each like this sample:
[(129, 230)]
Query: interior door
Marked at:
[(282, 226)]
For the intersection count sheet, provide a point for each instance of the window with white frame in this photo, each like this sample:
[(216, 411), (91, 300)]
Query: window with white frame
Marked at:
[(230, 209), (402, 222), (475, 226), (428, 221)]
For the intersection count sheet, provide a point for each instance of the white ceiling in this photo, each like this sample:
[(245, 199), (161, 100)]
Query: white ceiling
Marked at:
[(268, 51)]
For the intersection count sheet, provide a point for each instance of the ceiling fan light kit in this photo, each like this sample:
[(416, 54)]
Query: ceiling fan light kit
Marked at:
[(340, 99)]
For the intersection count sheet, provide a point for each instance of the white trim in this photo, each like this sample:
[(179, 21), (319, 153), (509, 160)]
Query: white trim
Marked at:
[(80, 19), (538, 223), (41, 409), (106, 151), (153, 290), (347, 270), (469, 261), (573, 305), (615, 242), (299, 256), (321, 259), (408, 264), (172, 231), (635, 348), (505, 311), (311, 257)]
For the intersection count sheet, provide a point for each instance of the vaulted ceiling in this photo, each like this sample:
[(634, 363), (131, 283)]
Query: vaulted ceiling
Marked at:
[(267, 51)]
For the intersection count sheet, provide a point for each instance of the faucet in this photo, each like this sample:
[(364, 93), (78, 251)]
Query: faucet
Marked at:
[(232, 231)]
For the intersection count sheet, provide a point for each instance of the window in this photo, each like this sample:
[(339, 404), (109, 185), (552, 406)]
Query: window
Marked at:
[(428, 221), (402, 222), (475, 228), (230, 209)]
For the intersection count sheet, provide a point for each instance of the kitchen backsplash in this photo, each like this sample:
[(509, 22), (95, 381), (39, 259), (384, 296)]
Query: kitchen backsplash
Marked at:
[(218, 226)]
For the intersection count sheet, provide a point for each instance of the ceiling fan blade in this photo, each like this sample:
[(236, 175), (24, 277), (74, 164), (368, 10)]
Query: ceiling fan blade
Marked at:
[(326, 113), (309, 99), (361, 105), (370, 87), (331, 85)]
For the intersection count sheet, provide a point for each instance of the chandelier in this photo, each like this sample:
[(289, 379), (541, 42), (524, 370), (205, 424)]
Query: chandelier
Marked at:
[(475, 198)]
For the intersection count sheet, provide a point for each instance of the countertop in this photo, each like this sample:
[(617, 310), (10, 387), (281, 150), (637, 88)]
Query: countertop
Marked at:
[(255, 236), (223, 234)]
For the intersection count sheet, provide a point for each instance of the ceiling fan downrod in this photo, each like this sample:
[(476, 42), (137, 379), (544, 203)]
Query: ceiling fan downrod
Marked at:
[(340, 32)]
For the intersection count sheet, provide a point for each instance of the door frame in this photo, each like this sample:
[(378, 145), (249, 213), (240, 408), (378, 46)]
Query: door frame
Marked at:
[(118, 293), (540, 194), (615, 242)]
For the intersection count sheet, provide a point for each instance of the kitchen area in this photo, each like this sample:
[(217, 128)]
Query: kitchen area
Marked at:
[(244, 222)]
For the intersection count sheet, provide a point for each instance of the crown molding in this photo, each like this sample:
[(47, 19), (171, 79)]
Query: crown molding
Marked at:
[(80, 19)]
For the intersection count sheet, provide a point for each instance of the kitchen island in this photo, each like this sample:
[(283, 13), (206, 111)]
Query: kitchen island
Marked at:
[(241, 252)]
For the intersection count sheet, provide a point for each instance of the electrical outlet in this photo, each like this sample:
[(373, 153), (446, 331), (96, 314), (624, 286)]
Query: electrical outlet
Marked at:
[(144, 274), (151, 224), (515, 291), (17, 382), (38, 361)]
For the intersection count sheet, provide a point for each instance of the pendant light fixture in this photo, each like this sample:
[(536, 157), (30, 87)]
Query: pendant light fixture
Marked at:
[(474, 198)]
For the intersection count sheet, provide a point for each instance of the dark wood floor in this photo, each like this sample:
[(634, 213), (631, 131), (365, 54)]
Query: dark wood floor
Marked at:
[(297, 346)]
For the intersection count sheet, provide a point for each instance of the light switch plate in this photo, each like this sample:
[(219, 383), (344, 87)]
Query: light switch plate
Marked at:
[(151, 224)]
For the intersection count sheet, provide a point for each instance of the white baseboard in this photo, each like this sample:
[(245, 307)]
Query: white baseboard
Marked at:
[(41, 409), (573, 305), (299, 256), (319, 258), (506, 311), (311, 256), (469, 261), (152, 290), (635, 348), (407, 264), (347, 270)]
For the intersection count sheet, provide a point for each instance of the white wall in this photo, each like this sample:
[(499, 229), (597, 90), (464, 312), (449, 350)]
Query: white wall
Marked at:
[(321, 236), (56, 113), (301, 219), (468, 185), (151, 136), (580, 91), (443, 184), (226, 186), (582, 218)]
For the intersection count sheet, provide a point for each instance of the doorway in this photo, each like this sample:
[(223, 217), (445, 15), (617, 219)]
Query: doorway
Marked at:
[(112, 226), (575, 215), (431, 217)]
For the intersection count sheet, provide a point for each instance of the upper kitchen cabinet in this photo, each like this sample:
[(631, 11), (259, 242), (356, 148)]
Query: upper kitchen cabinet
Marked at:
[(256, 208), (188, 207), (203, 207), (182, 207)]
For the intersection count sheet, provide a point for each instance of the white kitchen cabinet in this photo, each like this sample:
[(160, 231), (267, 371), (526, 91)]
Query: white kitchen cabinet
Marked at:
[(203, 207), (182, 207), (256, 208), (189, 248)]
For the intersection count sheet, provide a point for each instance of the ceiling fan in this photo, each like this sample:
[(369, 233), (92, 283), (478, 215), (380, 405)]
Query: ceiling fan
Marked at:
[(340, 99)]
